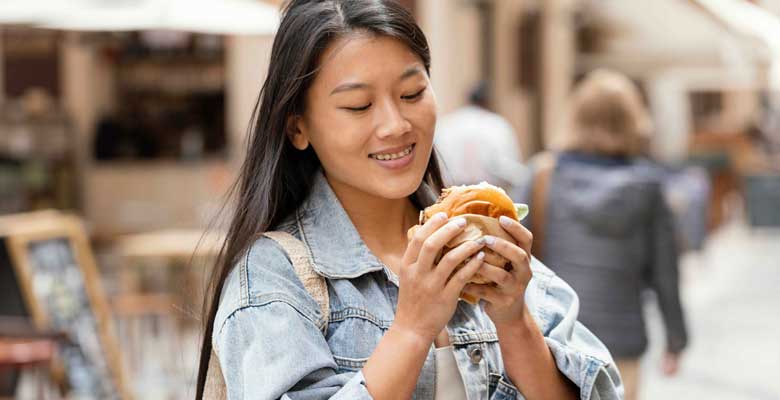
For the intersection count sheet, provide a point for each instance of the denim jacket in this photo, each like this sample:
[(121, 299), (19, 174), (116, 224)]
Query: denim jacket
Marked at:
[(270, 335)]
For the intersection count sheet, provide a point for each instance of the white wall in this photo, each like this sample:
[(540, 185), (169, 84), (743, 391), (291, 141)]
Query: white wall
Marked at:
[(137, 197), (452, 29), (558, 53), (246, 62)]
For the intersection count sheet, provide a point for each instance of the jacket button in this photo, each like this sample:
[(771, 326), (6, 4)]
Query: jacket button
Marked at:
[(475, 355)]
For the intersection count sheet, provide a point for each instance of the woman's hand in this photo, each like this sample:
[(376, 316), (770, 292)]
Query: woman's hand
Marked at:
[(427, 296), (528, 362), (506, 300), (428, 292)]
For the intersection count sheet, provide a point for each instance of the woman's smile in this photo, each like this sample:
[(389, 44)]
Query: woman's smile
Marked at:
[(394, 158)]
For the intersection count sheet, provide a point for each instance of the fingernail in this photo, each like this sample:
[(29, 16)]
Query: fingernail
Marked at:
[(481, 255), (504, 220), (461, 222), (440, 216), (489, 240)]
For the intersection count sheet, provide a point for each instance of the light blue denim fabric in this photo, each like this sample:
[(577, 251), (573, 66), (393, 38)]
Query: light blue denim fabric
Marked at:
[(268, 330)]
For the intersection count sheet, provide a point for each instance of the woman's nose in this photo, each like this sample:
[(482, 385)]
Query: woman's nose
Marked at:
[(391, 122)]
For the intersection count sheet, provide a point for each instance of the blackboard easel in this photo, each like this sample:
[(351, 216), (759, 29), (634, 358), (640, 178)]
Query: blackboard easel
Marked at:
[(60, 284)]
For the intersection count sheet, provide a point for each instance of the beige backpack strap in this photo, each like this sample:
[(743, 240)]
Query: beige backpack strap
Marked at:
[(214, 389), (540, 189), (313, 282)]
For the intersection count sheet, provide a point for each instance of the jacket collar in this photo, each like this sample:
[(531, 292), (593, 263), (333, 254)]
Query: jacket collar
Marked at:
[(336, 247)]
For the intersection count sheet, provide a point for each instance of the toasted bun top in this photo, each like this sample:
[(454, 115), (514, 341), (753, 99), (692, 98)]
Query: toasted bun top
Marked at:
[(483, 199)]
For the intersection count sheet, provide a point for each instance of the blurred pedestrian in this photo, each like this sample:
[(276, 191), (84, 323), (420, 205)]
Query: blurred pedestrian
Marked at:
[(600, 221), (476, 144)]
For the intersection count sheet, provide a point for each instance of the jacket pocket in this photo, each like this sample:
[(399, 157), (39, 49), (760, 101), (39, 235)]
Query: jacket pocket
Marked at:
[(353, 334), (346, 364)]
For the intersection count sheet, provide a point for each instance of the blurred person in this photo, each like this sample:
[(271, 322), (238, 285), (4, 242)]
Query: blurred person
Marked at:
[(340, 158), (600, 221), (476, 144)]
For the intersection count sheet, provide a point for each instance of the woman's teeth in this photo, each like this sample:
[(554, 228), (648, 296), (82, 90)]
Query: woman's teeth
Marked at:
[(393, 156)]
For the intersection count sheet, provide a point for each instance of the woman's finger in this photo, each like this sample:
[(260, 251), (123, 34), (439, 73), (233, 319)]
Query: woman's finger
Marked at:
[(504, 279), (508, 250), (431, 246), (521, 234), (460, 278), (491, 294), (421, 232), (456, 257)]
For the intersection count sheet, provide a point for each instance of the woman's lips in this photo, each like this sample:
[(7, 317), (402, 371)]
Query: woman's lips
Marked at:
[(400, 159)]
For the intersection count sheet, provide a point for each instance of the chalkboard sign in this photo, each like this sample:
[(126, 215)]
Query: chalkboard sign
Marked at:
[(59, 280)]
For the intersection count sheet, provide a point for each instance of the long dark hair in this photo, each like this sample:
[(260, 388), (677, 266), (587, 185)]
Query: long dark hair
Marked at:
[(275, 177)]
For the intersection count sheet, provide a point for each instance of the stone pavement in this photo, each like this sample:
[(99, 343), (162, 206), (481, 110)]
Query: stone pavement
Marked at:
[(731, 291)]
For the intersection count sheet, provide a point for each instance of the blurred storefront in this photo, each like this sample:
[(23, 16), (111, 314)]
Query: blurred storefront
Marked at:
[(136, 130), (143, 109)]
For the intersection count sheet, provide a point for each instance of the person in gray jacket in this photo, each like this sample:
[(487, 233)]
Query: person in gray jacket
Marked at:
[(606, 228)]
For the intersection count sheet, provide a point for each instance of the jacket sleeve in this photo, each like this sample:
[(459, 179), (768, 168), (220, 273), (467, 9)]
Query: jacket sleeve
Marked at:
[(578, 353), (267, 335), (272, 351), (663, 273)]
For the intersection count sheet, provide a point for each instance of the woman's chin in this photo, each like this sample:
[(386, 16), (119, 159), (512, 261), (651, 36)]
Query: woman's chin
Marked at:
[(397, 186), (396, 183)]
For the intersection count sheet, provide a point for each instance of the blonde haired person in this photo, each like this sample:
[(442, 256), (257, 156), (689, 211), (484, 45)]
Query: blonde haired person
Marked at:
[(606, 116), (612, 233)]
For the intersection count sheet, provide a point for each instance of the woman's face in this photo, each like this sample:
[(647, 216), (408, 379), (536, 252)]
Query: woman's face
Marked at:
[(370, 116)]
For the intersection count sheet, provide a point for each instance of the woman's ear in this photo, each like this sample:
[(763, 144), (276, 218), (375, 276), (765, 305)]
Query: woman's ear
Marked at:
[(297, 132)]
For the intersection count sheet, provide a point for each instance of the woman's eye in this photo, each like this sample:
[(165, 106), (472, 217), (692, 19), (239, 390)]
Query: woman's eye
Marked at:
[(364, 108), (414, 96)]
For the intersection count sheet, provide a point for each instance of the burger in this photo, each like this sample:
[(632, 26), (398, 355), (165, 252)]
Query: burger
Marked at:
[(481, 205)]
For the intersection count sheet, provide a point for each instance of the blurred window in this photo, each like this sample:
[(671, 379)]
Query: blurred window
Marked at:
[(37, 154), (706, 109), (170, 98), (529, 38), (30, 60), (530, 53)]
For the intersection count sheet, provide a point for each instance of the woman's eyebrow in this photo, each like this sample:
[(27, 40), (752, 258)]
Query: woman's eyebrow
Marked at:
[(410, 72), (348, 86)]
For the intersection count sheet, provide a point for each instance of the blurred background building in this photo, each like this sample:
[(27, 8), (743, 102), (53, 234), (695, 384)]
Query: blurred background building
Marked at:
[(132, 115)]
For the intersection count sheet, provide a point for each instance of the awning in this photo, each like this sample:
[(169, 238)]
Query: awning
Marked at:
[(249, 17)]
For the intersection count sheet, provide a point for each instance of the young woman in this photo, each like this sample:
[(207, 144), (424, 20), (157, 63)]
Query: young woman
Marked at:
[(341, 157), (611, 233)]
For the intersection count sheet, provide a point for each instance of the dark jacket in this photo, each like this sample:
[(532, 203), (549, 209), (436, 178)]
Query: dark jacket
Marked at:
[(610, 234)]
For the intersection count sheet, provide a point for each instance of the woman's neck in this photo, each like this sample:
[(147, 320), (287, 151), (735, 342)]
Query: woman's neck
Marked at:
[(382, 223)]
